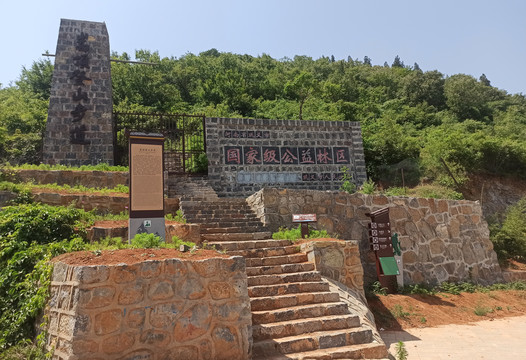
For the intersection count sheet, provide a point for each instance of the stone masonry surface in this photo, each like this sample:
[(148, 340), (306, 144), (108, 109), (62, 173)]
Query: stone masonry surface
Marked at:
[(79, 129), (441, 240), (159, 310), (245, 155)]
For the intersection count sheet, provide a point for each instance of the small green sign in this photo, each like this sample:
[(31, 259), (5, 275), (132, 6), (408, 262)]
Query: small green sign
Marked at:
[(389, 266)]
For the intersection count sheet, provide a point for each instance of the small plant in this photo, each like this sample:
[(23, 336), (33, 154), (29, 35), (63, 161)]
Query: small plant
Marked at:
[(423, 319), (481, 310), (421, 289), (178, 217), (399, 313), (348, 185), (177, 242), (145, 241), (377, 289), (401, 352), (368, 187)]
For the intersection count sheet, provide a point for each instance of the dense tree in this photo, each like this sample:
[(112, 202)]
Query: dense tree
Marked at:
[(37, 79), (410, 119)]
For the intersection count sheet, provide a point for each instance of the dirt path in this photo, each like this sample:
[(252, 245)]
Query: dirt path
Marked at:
[(489, 339), (400, 312)]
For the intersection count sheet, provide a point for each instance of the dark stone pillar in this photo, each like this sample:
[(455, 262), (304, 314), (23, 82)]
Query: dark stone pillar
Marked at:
[(79, 129)]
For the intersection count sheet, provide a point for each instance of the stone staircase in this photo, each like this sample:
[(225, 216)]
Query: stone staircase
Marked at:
[(294, 314), (221, 219)]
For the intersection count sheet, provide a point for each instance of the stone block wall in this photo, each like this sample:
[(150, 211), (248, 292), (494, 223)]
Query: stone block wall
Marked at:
[(441, 240), (79, 129), (245, 155), (169, 309)]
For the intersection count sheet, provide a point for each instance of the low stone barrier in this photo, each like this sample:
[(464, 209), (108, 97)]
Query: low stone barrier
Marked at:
[(441, 240), (163, 309)]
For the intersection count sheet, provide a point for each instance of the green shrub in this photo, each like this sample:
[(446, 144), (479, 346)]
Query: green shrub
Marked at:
[(368, 187), (348, 185), (146, 241), (177, 242), (30, 235), (509, 240), (23, 194)]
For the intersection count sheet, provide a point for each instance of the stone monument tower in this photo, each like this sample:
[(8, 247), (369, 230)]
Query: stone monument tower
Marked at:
[(79, 129)]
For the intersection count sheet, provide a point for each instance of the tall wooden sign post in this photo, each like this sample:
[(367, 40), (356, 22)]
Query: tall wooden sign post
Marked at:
[(381, 244), (146, 184)]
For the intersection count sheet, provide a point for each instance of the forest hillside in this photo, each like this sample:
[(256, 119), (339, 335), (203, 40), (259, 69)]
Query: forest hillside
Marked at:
[(428, 126)]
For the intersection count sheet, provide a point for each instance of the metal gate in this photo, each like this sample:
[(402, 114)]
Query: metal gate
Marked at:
[(184, 145)]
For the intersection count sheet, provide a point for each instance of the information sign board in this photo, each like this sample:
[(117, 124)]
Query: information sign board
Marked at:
[(146, 166)]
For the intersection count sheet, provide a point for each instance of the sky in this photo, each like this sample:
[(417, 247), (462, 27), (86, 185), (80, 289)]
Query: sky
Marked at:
[(452, 36)]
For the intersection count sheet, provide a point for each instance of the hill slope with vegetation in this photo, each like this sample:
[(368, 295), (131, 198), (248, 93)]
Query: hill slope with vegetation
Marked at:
[(434, 127)]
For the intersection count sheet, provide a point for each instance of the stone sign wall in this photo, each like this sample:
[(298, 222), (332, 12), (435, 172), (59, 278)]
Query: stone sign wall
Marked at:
[(245, 155), (441, 240), (167, 309), (79, 129)]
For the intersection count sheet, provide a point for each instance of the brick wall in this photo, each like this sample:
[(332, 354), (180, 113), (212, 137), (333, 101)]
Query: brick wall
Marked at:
[(441, 240), (79, 129), (169, 309), (245, 155)]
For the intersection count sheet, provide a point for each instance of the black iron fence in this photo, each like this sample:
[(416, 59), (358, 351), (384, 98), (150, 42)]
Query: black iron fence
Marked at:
[(184, 146)]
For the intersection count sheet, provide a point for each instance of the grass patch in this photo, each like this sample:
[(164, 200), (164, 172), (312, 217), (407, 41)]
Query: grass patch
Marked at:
[(98, 167), (295, 234), (80, 188), (425, 191)]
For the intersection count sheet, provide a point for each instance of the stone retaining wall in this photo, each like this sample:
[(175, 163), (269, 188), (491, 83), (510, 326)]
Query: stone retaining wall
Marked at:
[(169, 309), (113, 204), (109, 179), (441, 240), (337, 260), (185, 232)]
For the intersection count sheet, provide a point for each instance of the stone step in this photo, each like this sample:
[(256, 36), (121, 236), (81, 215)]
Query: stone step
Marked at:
[(266, 252), (258, 244), (216, 209), (302, 326), (284, 301), (218, 222), (284, 278), (279, 269), (299, 312), (284, 289), (311, 341), (234, 229), (277, 260), (236, 236), (212, 222), (368, 351), (237, 202)]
